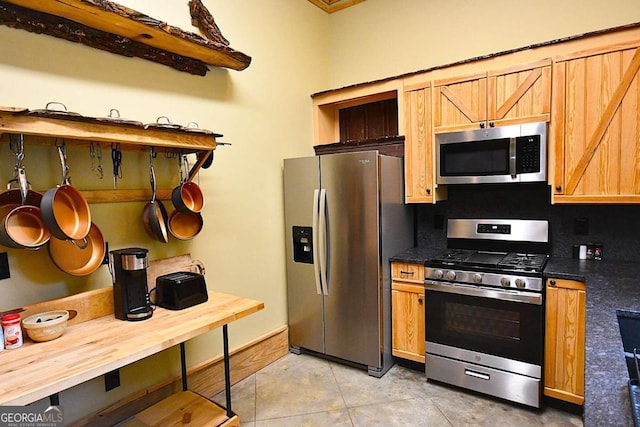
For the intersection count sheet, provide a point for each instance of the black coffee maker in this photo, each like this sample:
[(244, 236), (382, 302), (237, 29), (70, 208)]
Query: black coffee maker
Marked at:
[(130, 292)]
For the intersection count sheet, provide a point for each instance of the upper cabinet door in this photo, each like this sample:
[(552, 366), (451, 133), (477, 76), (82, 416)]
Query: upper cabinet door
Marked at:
[(596, 127), (519, 94), (460, 103), (418, 146)]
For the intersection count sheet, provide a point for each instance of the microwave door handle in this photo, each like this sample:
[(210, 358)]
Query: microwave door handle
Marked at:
[(315, 233), (512, 158)]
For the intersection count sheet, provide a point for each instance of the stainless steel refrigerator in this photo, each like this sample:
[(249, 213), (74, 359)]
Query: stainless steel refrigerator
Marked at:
[(345, 216)]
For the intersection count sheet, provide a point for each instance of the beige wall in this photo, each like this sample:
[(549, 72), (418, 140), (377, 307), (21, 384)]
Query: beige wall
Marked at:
[(383, 38), (264, 111)]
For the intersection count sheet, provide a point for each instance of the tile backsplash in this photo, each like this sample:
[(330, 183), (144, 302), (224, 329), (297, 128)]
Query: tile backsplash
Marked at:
[(616, 227)]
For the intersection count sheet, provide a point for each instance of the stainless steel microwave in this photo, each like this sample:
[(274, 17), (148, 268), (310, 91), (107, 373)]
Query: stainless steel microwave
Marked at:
[(516, 153)]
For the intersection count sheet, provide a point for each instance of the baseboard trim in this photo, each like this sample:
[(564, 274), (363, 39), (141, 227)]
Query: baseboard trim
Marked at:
[(206, 378)]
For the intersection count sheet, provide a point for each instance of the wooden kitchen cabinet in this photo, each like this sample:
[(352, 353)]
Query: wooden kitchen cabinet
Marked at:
[(327, 107), (564, 351), (418, 147), (518, 94), (459, 102), (596, 141), (407, 311)]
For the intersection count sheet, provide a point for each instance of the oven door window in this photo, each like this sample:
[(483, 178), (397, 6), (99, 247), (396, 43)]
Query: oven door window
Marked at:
[(502, 328), (481, 158)]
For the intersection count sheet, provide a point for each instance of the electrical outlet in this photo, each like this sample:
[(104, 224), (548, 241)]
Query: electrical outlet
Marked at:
[(4, 266), (581, 226), (112, 380)]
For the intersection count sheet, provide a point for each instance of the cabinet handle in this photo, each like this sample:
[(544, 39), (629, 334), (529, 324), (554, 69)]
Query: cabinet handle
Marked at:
[(428, 190), (558, 187), (491, 124), (411, 273), (420, 300), (552, 282), (481, 125)]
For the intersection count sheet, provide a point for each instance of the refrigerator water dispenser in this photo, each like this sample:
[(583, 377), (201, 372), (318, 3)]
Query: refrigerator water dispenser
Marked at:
[(302, 246)]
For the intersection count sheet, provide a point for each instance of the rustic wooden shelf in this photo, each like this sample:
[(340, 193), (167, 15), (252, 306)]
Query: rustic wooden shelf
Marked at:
[(15, 121), (82, 130), (173, 410), (109, 26)]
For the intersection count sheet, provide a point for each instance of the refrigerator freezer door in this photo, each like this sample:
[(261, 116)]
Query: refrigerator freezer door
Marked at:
[(305, 304), (352, 305)]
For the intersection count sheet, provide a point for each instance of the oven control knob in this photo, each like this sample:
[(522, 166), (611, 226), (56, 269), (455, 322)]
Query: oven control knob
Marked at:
[(438, 274), (451, 275), (505, 282), (477, 278), (520, 283)]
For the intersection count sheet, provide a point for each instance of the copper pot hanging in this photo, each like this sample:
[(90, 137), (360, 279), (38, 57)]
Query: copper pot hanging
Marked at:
[(79, 258), (64, 210), (187, 197), (154, 214), (21, 224)]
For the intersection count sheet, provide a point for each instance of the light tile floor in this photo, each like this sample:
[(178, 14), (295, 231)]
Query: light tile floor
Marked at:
[(303, 390)]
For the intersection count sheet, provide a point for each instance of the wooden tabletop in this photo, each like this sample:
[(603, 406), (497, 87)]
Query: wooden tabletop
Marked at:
[(89, 349)]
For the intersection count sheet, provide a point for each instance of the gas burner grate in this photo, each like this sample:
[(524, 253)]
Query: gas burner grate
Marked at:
[(523, 261)]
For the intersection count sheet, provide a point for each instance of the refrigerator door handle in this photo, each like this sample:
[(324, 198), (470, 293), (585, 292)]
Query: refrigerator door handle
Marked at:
[(322, 243), (315, 244)]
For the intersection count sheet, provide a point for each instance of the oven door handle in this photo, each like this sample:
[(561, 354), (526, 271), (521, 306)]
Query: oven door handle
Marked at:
[(484, 292)]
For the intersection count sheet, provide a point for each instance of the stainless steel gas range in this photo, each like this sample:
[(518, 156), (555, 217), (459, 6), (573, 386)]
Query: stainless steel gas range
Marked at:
[(484, 313)]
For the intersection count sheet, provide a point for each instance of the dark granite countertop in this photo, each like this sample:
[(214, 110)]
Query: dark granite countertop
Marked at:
[(610, 285), (415, 255)]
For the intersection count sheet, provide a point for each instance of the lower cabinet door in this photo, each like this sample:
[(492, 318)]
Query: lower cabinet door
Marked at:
[(408, 321), (565, 340)]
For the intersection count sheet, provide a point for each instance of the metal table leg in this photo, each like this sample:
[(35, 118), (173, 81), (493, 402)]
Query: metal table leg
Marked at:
[(183, 365), (227, 376), (54, 399)]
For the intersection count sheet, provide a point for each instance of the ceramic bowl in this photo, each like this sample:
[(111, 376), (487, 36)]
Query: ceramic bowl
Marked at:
[(46, 326)]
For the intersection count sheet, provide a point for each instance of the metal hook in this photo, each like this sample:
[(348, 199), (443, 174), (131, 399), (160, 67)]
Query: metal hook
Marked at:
[(17, 147), (170, 154), (62, 153), (116, 157), (95, 152), (152, 155)]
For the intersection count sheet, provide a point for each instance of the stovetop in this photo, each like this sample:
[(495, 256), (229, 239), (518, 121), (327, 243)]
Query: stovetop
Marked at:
[(505, 253), (495, 261)]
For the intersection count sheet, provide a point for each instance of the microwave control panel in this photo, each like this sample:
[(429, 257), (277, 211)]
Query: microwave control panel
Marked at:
[(528, 154)]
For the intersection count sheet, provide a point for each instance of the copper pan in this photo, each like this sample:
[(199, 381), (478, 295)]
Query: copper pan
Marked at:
[(154, 215), (21, 224), (185, 226), (187, 197), (64, 210), (78, 258), (22, 228)]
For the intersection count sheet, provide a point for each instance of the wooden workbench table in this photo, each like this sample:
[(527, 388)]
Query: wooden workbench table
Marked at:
[(95, 347)]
